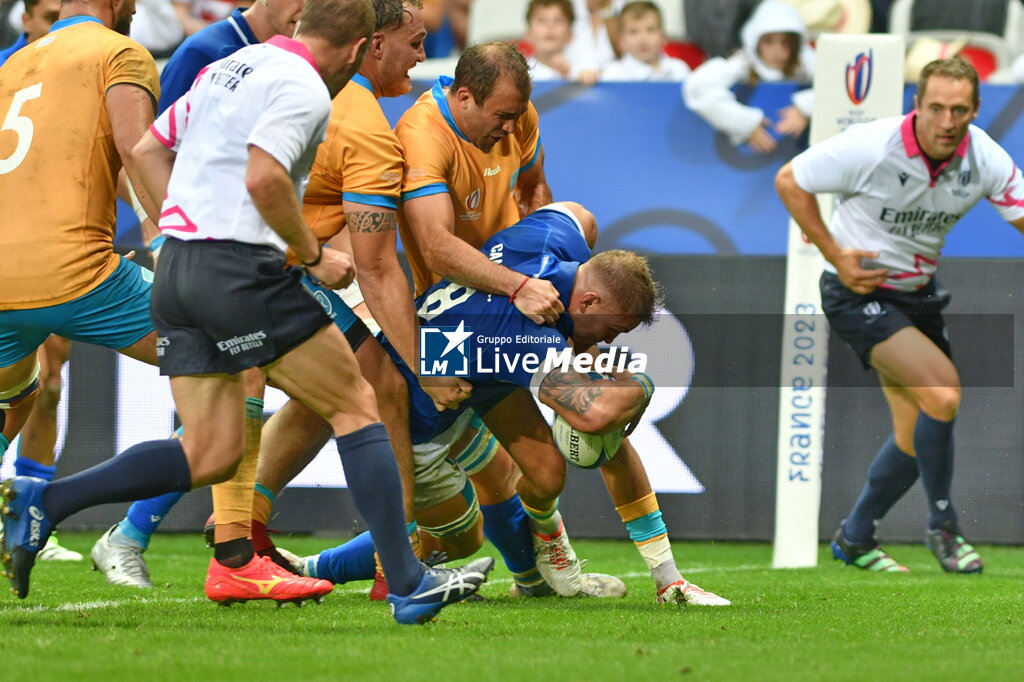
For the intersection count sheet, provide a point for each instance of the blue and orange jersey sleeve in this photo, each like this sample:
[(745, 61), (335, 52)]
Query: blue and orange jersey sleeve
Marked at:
[(131, 64), (430, 149), (528, 136), (360, 162)]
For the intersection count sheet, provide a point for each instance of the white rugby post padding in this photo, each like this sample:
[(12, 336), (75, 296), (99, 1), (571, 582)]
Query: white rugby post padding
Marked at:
[(858, 78)]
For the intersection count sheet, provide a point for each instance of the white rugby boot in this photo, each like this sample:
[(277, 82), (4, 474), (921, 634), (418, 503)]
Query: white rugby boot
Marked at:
[(54, 551), (557, 562), (120, 565), (685, 593)]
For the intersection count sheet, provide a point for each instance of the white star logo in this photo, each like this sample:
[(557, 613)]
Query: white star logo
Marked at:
[(456, 338)]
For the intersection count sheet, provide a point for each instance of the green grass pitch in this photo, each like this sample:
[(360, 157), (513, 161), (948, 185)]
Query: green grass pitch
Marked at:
[(831, 622)]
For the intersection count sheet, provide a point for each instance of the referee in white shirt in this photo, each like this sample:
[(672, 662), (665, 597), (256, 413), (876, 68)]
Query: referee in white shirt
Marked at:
[(902, 183)]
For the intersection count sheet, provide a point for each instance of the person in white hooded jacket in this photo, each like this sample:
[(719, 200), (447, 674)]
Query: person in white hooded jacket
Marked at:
[(775, 48)]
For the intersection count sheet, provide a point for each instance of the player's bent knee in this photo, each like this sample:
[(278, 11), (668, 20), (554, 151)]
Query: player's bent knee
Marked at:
[(353, 408), (941, 403), (218, 470), (466, 544), (212, 460), (461, 536), (548, 482), (49, 398)]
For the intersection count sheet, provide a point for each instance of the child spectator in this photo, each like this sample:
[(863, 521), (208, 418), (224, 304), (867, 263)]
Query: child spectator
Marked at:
[(549, 31), (195, 15), (774, 49), (642, 39), (593, 37)]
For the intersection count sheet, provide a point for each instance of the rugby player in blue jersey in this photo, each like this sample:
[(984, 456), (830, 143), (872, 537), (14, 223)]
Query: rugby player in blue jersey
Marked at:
[(605, 295)]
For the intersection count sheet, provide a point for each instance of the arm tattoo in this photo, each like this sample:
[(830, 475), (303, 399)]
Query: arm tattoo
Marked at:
[(371, 221), (571, 390)]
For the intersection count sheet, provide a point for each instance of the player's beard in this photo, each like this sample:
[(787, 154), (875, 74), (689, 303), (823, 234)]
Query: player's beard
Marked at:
[(124, 25)]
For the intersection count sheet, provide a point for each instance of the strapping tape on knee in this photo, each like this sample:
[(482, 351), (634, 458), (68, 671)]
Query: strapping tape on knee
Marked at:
[(460, 525), (13, 396)]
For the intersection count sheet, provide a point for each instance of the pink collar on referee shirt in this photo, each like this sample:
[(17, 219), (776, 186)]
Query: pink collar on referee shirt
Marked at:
[(295, 47), (910, 140), (914, 149)]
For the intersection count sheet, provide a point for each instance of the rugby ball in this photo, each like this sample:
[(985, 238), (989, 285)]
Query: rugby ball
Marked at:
[(585, 450)]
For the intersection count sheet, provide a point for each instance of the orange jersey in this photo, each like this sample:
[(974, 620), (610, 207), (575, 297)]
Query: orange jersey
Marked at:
[(360, 161), (58, 162), (481, 185)]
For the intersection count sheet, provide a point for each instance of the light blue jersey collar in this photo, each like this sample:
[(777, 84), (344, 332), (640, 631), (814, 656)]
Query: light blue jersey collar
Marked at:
[(364, 81), (71, 21), (442, 103)]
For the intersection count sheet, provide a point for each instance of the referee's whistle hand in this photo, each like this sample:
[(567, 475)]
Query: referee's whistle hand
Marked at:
[(539, 301), (336, 269), (849, 267)]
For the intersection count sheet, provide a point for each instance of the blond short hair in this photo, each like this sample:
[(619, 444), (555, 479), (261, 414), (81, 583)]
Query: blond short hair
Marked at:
[(627, 277)]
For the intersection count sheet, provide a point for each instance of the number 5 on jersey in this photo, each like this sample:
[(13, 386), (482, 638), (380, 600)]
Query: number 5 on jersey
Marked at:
[(21, 125)]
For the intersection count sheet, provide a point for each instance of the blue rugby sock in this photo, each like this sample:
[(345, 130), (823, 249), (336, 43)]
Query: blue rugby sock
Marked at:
[(23, 466), (933, 443), (372, 475), (144, 517), (890, 476), (141, 471), (508, 528), (350, 561)]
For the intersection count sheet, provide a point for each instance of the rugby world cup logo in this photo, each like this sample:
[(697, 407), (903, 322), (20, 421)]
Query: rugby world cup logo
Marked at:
[(858, 77), (473, 200)]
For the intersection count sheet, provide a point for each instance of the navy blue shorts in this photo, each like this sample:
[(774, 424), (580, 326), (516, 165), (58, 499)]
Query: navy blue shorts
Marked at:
[(220, 307), (865, 321)]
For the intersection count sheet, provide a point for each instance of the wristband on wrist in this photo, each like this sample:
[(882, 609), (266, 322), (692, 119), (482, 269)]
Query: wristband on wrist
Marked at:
[(156, 243), (316, 262), (512, 298), (645, 382)]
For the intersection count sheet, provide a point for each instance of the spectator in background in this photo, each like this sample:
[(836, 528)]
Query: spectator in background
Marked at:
[(549, 32), (774, 49), (593, 37), (715, 25), (642, 39), (880, 16), (447, 23), (37, 19), (9, 29), (156, 27), (834, 16), (196, 15)]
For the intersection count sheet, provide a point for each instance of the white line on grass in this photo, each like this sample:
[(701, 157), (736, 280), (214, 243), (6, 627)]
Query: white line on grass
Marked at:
[(104, 604)]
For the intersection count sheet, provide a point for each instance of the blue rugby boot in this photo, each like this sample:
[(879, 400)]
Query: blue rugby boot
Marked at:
[(26, 528), (438, 588)]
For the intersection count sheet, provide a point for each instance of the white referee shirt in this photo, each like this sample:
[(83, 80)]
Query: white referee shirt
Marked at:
[(268, 95), (890, 201)]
